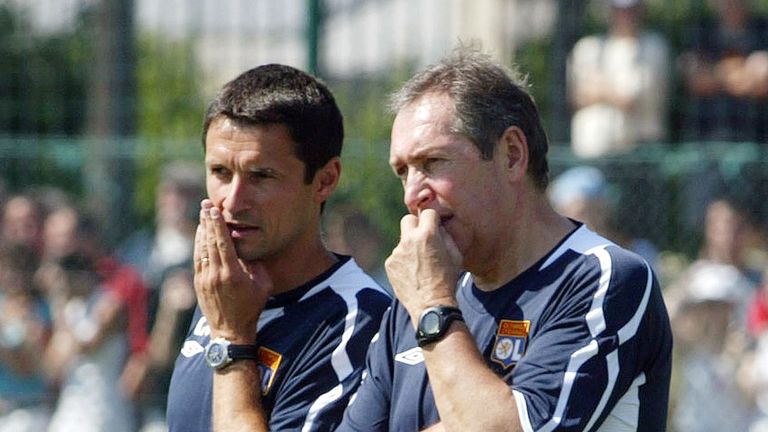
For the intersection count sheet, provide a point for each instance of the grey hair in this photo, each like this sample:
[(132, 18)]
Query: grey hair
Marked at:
[(488, 98)]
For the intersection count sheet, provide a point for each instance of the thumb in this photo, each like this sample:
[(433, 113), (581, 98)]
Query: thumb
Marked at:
[(450, 246)]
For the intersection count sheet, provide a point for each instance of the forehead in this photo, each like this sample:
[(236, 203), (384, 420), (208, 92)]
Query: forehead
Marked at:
[(19, 207), (424, 127), (227, 137)]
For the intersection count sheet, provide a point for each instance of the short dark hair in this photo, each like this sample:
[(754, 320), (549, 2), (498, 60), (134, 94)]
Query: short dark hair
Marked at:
[(488, 98), (279, 94)]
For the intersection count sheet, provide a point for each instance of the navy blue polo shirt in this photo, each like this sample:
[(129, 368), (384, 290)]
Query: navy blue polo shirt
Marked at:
[(582, 338), (312, 345)]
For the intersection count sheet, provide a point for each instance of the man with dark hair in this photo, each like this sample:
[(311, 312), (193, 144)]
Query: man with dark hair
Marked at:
[(508, 316), (279, 339)]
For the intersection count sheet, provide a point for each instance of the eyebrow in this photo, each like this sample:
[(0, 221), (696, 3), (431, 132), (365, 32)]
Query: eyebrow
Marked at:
[(264, 171), (427, 151), (252, 170)]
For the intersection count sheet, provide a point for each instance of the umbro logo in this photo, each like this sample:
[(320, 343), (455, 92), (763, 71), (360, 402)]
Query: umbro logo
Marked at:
[(411, 357), (191, 347)]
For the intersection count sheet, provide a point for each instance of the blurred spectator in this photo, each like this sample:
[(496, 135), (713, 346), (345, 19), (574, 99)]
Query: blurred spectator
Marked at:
[(171, 321), (725, 236), (87, 352), (177, 203), (582, 193), (757, 314), (618, 85), (67, 232), (164, 257), (22, 222), (60, 233), (725, 69), (349, 231), (723, 244), (711, 349), (24, 332), (709, 309), (758, 373)]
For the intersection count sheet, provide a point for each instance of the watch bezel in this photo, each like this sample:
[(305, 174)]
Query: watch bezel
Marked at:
[(225, 358), (445, 314)]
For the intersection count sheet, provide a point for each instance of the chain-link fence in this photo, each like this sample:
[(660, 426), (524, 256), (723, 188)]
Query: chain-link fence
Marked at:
[(95, 96)]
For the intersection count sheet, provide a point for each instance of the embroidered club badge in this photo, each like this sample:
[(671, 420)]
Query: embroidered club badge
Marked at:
[(511, 342)]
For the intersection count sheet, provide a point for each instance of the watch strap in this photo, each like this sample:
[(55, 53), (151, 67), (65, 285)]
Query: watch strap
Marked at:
[(243, 352)]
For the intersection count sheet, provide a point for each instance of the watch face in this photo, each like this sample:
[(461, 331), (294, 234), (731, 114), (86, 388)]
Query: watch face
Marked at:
[(216, 354), (430, 323)]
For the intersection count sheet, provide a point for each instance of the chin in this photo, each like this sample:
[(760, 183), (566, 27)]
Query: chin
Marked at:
[(248, 252)]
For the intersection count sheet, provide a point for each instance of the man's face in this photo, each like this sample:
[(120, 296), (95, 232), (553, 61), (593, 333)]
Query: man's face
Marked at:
[(724, 230), (255, 178), (445, 172), (60, 233), (21, 222)]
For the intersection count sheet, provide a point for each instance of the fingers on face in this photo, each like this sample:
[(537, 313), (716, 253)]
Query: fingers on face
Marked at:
[(221, 238), (408, 223), (429, 218), (198, 251), (211, 243)]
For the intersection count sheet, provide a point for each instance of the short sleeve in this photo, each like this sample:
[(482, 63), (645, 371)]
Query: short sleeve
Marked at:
[(369, 408)]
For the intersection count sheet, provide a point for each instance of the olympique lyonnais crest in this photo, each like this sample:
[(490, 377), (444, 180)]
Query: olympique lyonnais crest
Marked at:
[(268, 363), (511, 342)]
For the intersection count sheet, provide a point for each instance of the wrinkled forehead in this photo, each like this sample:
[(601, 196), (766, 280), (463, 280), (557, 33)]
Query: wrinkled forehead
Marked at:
[(422, 121)]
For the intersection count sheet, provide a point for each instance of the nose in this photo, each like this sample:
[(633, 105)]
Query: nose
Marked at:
[(417, 194), (236, 196)]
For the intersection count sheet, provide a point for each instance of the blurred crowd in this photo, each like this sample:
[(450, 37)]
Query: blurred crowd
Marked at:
[(619, 87), (89, 334), (620, 82), (717, 302)]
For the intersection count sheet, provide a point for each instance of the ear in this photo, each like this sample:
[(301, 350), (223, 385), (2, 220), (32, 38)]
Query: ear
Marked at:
[(513, 147), (326, 179)]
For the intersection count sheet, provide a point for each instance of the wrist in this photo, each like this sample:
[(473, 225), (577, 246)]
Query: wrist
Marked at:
[(234, 337), (241, 335), (416, 311)]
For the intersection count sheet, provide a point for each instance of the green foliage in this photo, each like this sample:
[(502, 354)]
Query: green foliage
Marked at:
[(534, 59), (367, 181), (42, 92), (45, 91), (169, 112), (169, 79)]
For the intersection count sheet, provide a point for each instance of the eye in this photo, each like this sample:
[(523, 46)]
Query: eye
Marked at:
[(261, 175), (401, 172), (430, 164), (218, 171)]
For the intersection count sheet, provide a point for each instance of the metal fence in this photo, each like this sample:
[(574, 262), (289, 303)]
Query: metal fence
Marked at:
[(94, 92), (95, 95)]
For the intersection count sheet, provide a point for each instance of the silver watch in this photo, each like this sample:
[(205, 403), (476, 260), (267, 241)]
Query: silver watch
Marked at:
[(220, 352)]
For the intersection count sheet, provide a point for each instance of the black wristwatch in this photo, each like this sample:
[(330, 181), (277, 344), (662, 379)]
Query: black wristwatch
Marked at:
[(220, 352), (434, 323)]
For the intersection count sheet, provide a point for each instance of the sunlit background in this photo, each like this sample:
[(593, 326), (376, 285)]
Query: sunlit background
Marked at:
[(98, 97)]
